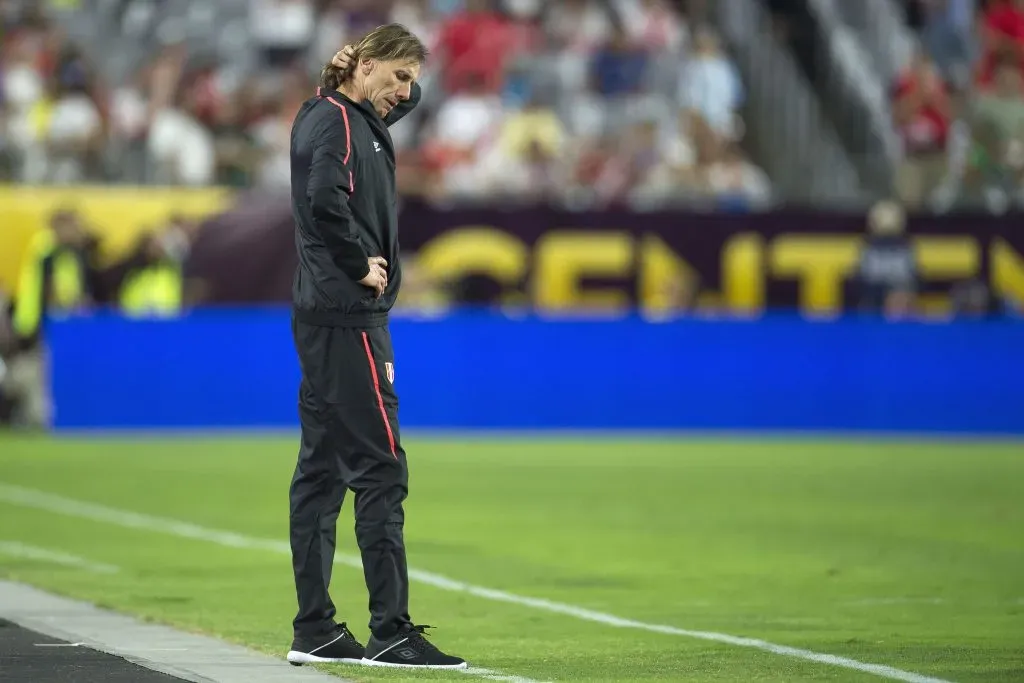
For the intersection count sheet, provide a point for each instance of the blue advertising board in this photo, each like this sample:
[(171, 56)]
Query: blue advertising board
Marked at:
[(237, 369)]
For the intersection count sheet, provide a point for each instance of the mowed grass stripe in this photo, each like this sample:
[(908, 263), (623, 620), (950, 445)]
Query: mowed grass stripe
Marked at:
[(52, 503)]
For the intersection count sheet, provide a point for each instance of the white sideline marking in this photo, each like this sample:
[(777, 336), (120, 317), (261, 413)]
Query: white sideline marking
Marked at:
[(877, 602), (493, 675), (74, 508), (31, 552)]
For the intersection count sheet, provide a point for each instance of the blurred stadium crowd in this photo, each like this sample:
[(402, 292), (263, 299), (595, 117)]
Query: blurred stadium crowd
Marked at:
[(582, 101), (576, 101), (959, 106)]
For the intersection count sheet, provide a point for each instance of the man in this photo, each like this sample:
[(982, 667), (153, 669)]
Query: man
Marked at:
[(886, 279), (344, 204), (8, 343), (922, 116), (997, 121), (56, 278)]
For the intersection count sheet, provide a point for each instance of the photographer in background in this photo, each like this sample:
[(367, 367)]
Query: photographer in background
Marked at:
[(886, 280), (57, 277), (152, 283), (7, 346)]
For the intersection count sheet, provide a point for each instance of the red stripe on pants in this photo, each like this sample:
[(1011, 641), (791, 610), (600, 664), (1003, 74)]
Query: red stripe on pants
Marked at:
[(380, 397)]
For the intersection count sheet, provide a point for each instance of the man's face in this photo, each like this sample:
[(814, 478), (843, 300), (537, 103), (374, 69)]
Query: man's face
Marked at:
[(388, 83)]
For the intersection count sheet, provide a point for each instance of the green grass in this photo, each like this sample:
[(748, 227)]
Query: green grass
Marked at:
[(908, 555)]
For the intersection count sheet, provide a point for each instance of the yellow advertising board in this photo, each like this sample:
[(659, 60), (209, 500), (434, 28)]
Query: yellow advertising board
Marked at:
[(117, 214)]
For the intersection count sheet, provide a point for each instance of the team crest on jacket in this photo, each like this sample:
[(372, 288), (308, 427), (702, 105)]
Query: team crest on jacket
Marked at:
[(389, 371)]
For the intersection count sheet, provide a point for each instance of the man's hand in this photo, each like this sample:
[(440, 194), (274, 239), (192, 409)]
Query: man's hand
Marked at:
[(377, 279), (345, 58)]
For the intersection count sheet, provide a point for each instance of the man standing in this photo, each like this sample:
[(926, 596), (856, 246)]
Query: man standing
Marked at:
[(886, 279), (344, 203), (57, 277)]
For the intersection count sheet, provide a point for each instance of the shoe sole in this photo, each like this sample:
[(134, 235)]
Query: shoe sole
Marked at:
[(395, 665), (296, 658)]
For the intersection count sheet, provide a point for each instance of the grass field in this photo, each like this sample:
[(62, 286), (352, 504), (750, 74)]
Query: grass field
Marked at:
[(897, 554)]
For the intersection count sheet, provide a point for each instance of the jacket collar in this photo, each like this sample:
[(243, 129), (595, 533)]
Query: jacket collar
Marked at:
[(365, 108)]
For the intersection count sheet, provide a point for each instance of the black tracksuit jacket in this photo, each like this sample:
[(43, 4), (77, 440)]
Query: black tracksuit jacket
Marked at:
[(345, 208)]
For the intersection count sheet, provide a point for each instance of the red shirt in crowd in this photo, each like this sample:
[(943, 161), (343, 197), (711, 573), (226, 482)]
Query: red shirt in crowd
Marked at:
[(474, 43), (1006, 19), (1003, 23), (927, 127)]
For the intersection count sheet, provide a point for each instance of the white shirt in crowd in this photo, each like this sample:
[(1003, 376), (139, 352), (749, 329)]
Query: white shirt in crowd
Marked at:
[(282, 23), (711, 85), (23, 87), (653, 23), (464, 119), (581, 26), (182, 149), (74, 119), (273, 136)]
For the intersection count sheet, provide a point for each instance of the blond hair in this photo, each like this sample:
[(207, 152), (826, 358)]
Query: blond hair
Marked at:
[(391, 42)]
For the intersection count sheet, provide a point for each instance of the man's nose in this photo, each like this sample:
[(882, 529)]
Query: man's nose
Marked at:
[(405, 91)]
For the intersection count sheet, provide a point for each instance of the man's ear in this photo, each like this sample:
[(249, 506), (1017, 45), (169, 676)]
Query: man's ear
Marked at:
[(368, 65)]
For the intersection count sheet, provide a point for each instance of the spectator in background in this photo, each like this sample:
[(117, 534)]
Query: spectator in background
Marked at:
[(947, 28), (886, 280), (711, 87), (180, 146), (645, 157), (922, 117), (535, 124), (1002, 35), (416, 15), (654, 23), (72, 127), (997, 123), (735, 183), (591, 164), (129, 124), (533, 174), (172, 121), (24, 87), (164, 80), (282, 29), (675, 179), (465, 128), (576, 30), (272, 132), (473, 45), (524, 32), (619, 66), (580, 27), (236, 156)]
